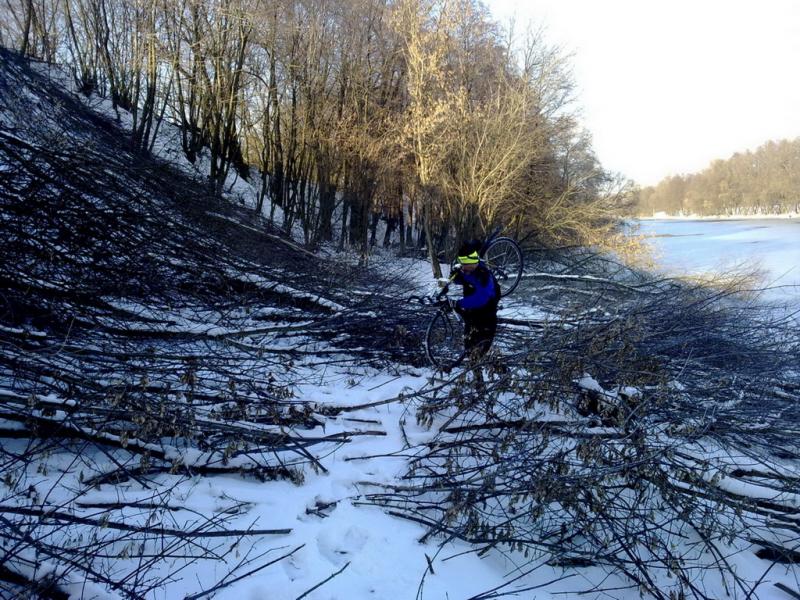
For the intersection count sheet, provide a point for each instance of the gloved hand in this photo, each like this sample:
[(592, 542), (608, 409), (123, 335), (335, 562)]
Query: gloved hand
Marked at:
[(453, 303)]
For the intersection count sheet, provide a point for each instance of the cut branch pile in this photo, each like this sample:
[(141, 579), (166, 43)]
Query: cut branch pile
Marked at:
[(150, 342), (651, 431)]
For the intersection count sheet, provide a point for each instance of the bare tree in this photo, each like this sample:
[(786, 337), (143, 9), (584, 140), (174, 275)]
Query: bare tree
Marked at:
[(341, 104), (430, 114)]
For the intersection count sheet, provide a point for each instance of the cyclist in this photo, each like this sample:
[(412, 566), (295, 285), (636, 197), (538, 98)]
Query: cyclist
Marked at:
[(478, 307)]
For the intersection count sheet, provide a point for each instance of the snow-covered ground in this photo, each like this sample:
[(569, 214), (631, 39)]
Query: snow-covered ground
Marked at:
[(697, 247), (371, 554), (338, 548), (335, 539)]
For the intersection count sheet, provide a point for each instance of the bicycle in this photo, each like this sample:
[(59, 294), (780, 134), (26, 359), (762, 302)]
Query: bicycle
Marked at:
[(444, 337), (503, 257)]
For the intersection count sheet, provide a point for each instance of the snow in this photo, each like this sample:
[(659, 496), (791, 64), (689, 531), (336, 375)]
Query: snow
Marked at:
[(17, 330), (365, 552), (663, 216), (382, 554)]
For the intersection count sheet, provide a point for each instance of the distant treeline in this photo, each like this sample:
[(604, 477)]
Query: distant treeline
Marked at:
[(766, 181), (424, 113)]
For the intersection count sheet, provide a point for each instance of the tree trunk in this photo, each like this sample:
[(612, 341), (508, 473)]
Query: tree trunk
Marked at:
[(27, 30), (391, 225), (373, 229), (428, 228), (327, 200), (343, 236), (262, 192)]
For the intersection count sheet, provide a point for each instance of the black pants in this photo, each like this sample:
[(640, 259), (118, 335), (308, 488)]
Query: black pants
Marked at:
[(479, 333)]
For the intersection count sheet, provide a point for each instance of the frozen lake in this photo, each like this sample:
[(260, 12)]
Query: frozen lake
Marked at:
[(697, 247)]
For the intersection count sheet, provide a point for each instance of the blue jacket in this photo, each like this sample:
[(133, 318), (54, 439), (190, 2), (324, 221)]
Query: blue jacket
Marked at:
[(481, 290)]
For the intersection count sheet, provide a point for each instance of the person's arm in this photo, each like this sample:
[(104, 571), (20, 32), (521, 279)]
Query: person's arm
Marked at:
[(483, 294), (456, 276)]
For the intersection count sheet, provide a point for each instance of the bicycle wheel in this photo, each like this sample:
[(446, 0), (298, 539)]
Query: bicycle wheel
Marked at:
[(444, 340), (504, 259)]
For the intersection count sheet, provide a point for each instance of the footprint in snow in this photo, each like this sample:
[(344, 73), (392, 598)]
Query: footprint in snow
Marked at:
[(339, 543)]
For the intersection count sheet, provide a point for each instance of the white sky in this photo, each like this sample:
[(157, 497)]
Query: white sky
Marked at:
[(666, 86)]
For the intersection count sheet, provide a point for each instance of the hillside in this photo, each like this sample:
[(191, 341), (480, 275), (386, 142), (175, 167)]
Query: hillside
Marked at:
[(192, 405)]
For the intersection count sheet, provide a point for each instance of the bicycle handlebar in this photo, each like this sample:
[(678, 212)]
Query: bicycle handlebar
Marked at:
[(438, 300), (429, 300)]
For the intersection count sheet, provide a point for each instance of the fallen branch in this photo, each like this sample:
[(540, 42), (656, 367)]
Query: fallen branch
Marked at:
[(47, 515)]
